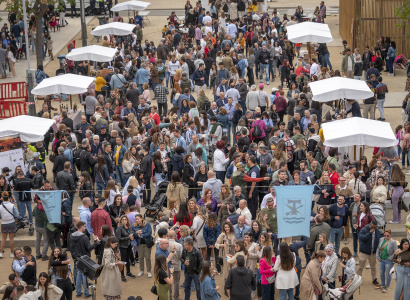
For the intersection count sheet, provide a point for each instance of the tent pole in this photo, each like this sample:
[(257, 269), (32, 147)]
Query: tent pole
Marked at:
[(71, 102), (310, 55)]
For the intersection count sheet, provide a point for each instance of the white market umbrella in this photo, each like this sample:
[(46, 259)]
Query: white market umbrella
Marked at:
[(114, 28), (309, 32), (64, 84), (30, 129), (131, 5), (358, 131), (336, 88), (93, 52)]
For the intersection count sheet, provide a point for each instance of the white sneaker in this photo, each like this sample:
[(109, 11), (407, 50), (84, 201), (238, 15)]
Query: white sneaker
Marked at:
[(357, 263), (149, 274), (1, 255), (140, 274), (368, 266), (393, 222), (253, 294), (11, 255)]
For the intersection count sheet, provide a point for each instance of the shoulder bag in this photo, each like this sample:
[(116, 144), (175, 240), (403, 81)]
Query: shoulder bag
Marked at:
[(193, 236), (270, 279)]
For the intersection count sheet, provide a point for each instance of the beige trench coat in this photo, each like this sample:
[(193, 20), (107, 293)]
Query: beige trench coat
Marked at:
[(229, 248), (110, 275), (311, 277)]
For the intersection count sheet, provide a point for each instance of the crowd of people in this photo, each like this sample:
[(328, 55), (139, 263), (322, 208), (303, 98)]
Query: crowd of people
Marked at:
[(186, 120)]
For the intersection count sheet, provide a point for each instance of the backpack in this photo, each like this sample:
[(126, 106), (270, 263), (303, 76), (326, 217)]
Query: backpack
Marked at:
[(257, 131), (206, 106), (76, 158), (227, 47)]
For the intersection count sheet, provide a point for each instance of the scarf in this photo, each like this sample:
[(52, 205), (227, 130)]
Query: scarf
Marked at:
[(213, 129)]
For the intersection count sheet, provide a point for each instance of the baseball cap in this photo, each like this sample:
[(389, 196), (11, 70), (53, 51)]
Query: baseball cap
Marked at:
[(261, 86), (35, 155), (5, 170), (274, 90)]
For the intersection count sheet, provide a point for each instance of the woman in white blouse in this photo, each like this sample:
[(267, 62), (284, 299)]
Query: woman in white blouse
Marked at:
[(286, 277)]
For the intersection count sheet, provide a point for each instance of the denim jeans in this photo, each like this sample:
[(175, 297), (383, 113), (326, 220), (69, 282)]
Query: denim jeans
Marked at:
[(22, 210), (220, 175), (187, 286), (380, 106), (119, 175), (271, 74), (384, 269), (268, 291), (402, 282), (266, 67), (100, 187), (327, 61), (81, 279), (355, 234), (389, 63), (403, 159), (335, 237), (284, 293), (257, 68)]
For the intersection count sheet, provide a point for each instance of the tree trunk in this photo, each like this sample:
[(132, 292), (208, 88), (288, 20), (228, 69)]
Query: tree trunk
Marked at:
[(41, 8)]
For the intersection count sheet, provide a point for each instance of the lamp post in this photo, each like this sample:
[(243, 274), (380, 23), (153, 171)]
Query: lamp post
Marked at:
[(30, 84), (83, 25)]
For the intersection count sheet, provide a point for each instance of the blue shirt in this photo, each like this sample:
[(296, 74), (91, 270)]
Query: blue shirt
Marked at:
[(181, 142), (142, 76), (138, 20), (230, 109)]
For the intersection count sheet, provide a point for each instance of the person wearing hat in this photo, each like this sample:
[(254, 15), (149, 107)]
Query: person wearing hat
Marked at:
[(6, 171), (329, 266)]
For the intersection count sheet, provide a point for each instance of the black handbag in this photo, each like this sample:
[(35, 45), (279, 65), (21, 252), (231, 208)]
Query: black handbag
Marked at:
[(154, 290), (150, 244)]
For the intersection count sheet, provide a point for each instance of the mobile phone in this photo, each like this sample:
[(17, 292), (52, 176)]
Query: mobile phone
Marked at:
[(124, 262)]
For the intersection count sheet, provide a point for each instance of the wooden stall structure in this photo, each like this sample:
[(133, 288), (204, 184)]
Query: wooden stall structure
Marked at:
[(363, 22)]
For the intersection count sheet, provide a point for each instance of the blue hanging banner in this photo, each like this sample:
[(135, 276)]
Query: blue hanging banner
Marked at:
[(293, 207), (51, 201)]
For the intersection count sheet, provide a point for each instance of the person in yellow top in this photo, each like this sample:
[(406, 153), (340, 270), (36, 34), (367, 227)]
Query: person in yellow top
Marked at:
[(241, 40), (105, 42), (99, 83)]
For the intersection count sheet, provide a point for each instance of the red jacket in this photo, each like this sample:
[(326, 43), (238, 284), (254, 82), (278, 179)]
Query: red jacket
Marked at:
[(100, 217), (366, 220)]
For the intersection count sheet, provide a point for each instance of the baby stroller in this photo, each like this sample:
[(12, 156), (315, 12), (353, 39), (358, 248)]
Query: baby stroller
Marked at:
[(159, 200), (345, 292), (379, 214)]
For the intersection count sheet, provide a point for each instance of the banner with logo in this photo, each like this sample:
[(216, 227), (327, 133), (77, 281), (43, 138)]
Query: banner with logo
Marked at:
[(293, 207)]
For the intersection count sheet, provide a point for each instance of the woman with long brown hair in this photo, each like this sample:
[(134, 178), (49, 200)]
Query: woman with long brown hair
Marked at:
[(225, 199), (286, 277), (48, 290), (208, 287), (60, 274), (111, 274), (225, 245), (175, 188), (161, 279), (125, 236), (212, 229), (111, 190), (398, 182)]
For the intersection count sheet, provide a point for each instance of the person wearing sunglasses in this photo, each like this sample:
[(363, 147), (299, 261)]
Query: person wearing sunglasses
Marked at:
[(385, 253)]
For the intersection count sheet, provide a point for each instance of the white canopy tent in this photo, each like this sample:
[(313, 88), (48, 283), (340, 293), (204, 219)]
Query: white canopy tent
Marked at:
[(336, 88), (30, 129), (309, 32), (64, 84), (114, 28), (358, 131), (131, 5), (93, 52)]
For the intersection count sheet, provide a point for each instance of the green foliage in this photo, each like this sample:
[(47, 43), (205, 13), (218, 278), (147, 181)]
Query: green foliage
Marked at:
[(403, 13)]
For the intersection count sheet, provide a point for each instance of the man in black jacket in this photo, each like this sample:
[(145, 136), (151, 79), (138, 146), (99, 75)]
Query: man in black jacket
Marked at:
[(86, 159), (108, 159), (22, 184), (65, 181), (192, 259), (79, 246), (66, 120), (240, 281), (59, 162), (146, 169)]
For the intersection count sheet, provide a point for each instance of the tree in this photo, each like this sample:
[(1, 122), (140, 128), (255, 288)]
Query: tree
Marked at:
[(403, 12), (38, 9)]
